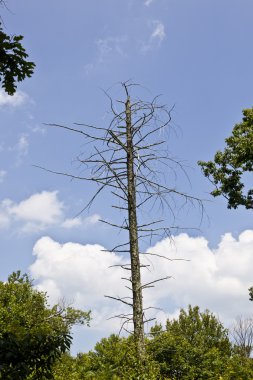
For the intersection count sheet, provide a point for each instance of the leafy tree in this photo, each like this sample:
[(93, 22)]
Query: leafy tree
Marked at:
[(228, 167), (194, 346), (32, 334), (68, 367), (115, 358)]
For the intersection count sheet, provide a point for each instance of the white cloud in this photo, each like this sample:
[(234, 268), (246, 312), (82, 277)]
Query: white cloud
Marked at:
[(81, 222), (80, 273), (71, 223), (15, 100), (39, 212), (42, 207), (215, 279), (35, 213)]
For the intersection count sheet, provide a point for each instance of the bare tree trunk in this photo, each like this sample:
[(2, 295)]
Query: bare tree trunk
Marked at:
[(133, 238), (121, 161)]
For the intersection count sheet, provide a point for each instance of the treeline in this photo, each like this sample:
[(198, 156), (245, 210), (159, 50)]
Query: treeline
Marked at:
[(35, 341), (195, 346)]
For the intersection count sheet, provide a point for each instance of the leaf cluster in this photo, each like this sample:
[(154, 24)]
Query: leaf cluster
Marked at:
[(228, 167), (113, 358), (194, 346), (14, 66)]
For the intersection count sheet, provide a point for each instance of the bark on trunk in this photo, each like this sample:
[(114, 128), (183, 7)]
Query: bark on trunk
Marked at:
[(133, 239)]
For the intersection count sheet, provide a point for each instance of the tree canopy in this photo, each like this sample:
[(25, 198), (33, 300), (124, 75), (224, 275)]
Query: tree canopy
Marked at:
[(194, 346), (227, 169), (32, 334)]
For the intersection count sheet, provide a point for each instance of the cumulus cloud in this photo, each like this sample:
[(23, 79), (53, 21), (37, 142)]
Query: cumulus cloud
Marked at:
[(215, 279), (18, 99), (43, 208), (82, 274), (35, 213), (39, 212)]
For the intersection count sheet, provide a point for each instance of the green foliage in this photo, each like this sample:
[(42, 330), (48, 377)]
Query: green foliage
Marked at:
[(228, 167), (113, 358), (195, 346), (69, 368), (238, 368), (13, 64), (32, 335)]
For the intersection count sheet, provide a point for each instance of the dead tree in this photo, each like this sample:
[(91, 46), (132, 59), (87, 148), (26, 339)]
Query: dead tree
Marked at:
[(242, 334), (126, 159)]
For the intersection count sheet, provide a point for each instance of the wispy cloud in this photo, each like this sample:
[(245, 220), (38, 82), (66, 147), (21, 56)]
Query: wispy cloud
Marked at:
[(107, 49), (148, 2), (110, 46), (22, 145), (156, 37), (81, 222), (2, 175), (158, 32), (18, 99), (21, 148)]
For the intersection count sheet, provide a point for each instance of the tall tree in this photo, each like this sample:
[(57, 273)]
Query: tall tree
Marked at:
[(126, 159)]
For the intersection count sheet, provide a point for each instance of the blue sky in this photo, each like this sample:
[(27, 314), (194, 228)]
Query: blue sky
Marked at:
[(198, 55)]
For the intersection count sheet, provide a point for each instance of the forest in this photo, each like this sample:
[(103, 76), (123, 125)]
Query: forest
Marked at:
[(143, 275)]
